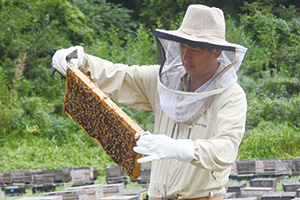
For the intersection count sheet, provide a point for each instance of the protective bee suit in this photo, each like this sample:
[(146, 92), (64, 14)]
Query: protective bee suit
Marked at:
[(199, 132)]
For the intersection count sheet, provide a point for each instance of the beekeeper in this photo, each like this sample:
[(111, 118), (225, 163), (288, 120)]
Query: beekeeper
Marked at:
[(199, 107)]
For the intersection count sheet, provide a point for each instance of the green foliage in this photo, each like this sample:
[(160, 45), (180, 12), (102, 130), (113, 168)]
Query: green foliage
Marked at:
[(271, 140), (102, 16), (276, 34), (272, 98), (36, 134), (35, 30), (274, 110), (138, 49), (34, 115), (270, 77), (38, 28), (150, 11)]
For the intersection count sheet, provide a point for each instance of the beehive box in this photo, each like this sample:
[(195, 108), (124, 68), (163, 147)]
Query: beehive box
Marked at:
[(93, 172), (264, 182), (145, 174), (5, 178), (137, 193), (111, 189), (102, 120), (69, 195), (115, 174), (21, 176), (58, 174), (246, 167), (67, 174), (43, 188), (13, 190), (42, 198), (39, 179), (134, 197), (94, 192), (80, 177)]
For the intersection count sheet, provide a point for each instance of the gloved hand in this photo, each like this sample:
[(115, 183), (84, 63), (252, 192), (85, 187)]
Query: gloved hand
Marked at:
[(59, 61), (163, 147)]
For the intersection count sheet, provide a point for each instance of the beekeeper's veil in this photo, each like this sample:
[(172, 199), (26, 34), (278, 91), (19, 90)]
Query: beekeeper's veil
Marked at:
[(201, 26)]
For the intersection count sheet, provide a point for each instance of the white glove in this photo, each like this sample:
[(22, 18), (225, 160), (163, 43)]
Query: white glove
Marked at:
[(59, 61), (163, 147)]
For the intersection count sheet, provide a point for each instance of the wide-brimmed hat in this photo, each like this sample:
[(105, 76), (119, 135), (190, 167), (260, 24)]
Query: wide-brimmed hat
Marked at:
[(201, 24)]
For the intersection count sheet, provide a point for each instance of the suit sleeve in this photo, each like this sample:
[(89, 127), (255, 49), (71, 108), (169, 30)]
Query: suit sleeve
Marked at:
[(220, 151), (128, 85)]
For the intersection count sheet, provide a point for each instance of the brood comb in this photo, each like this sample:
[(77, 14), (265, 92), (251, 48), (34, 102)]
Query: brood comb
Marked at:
[(102, 120)]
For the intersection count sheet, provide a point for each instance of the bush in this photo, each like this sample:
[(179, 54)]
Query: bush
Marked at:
[(35, 133), (270, 140), (275, 33)]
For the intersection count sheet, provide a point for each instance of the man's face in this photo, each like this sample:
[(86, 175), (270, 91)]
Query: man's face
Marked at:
[(198, 62)]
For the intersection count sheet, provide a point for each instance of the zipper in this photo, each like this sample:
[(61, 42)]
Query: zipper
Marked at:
[(212, 174), (173, 131), (190, 129)]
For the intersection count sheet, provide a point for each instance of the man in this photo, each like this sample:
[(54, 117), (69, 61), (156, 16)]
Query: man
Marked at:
[(199, 108)]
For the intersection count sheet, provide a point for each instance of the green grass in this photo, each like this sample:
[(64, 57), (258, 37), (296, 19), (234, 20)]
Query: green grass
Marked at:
[(34, 152)]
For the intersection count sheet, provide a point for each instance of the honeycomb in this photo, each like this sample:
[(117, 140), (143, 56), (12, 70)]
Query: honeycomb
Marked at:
[(102, 120)]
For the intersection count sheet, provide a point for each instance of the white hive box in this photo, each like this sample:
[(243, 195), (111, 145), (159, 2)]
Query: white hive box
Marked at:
[(69, 195), (111, 189), (93, 192)]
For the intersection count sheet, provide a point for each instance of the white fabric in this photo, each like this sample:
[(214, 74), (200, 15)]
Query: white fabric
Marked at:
[(183, 105), (59, 61), (201, 24), (216, 134), (163, 147)]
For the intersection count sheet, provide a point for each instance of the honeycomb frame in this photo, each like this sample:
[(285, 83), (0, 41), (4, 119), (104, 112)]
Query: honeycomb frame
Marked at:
[(102, 120)]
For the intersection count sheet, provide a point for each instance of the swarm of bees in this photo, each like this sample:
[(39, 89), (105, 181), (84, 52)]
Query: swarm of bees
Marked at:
[(102, 120)]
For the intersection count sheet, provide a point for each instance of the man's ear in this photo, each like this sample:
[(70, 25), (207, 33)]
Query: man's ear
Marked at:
[(217, 52)]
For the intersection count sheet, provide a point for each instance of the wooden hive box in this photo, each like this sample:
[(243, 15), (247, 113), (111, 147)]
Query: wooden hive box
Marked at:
[(69, 195), (81, 176), (117, 197), (94, 192), (5, 178), (102, 120), (138, 193), (111, 189), (42, 198), (115, 174), (21, 176)]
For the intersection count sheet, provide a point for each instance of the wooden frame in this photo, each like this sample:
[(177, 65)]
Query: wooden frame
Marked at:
[(102, 120)]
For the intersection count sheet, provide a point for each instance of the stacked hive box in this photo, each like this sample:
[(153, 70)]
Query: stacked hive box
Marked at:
[(13, 190), (21, 176), (42, 198), (115, 174), (5, 178), (111, 189), (94, 192), (136, 194), (69, 195), (80, 177)]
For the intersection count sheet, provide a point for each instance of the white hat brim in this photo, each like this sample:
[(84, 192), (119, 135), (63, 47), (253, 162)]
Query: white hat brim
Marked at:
[(180, 36)]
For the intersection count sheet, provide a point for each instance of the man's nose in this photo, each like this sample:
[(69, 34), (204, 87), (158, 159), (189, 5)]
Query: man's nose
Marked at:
[(186, 54)]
